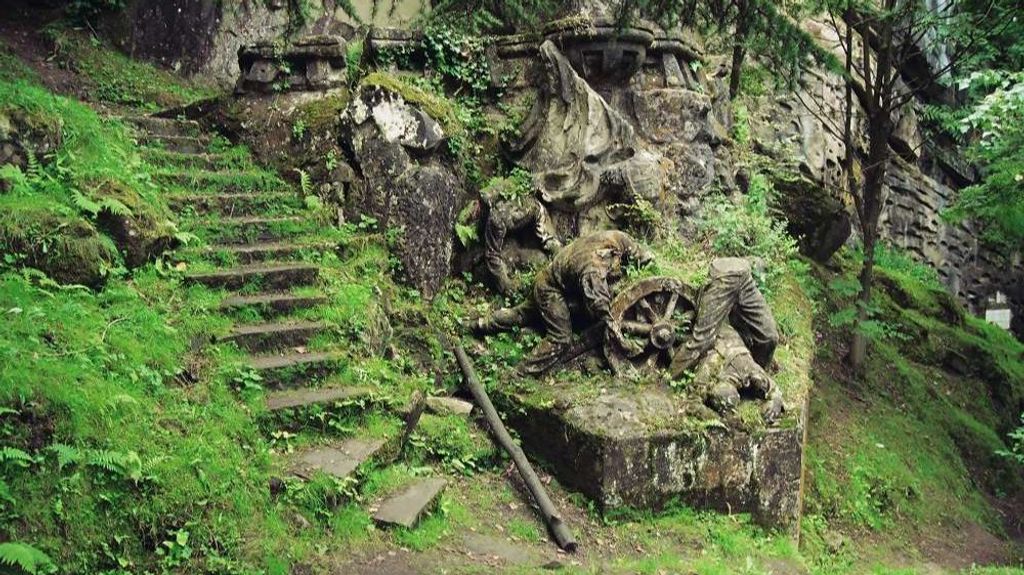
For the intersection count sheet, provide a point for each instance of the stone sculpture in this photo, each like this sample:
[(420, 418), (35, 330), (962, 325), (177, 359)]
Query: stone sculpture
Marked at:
[(732, 341), (509, 212), (573, 137), (579, 278), (309, 63)]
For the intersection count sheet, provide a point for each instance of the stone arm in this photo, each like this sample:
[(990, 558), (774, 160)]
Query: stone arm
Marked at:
[(597, 295), (494, 240), (544, 229)]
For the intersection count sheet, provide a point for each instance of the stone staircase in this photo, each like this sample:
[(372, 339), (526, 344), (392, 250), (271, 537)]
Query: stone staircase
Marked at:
[(256, 237)]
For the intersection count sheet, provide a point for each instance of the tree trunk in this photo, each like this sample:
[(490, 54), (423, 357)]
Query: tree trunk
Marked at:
[(739, 47), (879, 130)]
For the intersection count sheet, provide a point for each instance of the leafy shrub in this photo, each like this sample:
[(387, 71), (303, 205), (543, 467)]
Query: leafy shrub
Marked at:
[(1016, 443), (747, 228)]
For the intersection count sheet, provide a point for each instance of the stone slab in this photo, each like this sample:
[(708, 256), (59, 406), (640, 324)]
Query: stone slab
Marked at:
[(406, 508), (449, 406), (338, 460), (641, 447), (280, 400)]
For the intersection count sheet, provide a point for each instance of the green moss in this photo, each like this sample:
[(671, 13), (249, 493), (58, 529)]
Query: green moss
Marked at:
[(435, 105), (120, 80), (324, 113)]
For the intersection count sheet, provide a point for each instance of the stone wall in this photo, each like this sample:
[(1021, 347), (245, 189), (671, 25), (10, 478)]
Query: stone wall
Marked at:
[(922, 181)]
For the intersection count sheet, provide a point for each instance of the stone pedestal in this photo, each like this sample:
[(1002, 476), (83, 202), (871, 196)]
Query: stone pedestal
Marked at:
[(642, 447), (311, 63)]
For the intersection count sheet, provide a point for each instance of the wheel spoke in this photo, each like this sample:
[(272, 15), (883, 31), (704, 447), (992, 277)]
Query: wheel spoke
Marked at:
[(636, 327), (646, 306), (670, 307)]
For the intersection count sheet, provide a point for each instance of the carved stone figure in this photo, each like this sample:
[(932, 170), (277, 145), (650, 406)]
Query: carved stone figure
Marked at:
[(578, 279), (732, 342), (508, 212)]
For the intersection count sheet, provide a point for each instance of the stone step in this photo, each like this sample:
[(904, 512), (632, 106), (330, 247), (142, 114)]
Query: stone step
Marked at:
[(300, 398), (292, 369), (449, 406), (164, 126), (242, 230), (200, 161), (279, 276), (234, 204), (272, 304), (181, 144), (226, 181), (407, 507), (272, 336), (339, 460), (261, 251)]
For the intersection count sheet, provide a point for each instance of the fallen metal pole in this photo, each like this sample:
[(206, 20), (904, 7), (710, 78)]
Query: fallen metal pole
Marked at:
[(555, 524)]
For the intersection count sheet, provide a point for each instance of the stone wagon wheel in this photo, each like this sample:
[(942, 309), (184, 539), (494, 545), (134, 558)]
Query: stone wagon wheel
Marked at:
[(654, 313)]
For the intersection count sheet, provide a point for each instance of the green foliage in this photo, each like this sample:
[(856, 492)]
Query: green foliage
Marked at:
[(492, 16), (1015, 452), (354, 61), (746, 228), (26, 559), (50, 214), (997, 121), (86, 9), (740, 123), (458, 58)]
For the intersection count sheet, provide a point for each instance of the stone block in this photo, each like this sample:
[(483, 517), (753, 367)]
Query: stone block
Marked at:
[(641, 448)]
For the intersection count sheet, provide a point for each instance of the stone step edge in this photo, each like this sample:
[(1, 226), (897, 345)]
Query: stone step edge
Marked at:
[(406, 507)]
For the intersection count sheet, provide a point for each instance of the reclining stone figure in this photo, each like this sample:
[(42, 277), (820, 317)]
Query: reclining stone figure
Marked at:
[(508, 213), (733, 341), (579, 276)]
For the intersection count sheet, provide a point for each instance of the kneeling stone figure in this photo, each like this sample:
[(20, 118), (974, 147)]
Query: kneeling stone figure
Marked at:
[(579, 276)]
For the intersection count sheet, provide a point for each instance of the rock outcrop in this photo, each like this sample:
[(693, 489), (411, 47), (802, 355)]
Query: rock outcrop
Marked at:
[(404, 184)]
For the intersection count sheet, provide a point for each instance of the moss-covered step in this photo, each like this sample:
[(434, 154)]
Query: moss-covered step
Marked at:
[(224, 180), (258, 251), (181, 144), (198, 161), (236, 204), (250, 229), (295, 369), (279, 276), (629, 445), (405, 508), (271, 336), (164, 126), (269, 305)]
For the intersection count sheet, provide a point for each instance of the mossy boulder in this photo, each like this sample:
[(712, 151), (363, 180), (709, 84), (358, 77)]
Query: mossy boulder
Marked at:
[(24, 135), (62, 245)]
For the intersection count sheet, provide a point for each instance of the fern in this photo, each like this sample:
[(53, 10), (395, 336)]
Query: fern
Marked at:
[(34, 169), (305, 183), (26, 558), (17, 456), (66, 454), (127, 465), (115, 207), (85, 204)]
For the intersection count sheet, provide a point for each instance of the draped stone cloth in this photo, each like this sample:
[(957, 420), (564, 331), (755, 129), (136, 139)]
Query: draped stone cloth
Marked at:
[(571, 136)]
